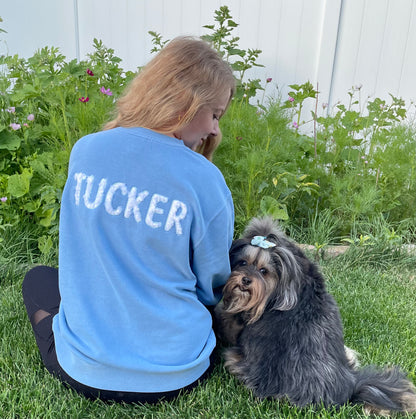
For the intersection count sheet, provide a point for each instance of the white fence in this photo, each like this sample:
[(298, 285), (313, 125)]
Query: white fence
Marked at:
[(336, 44)]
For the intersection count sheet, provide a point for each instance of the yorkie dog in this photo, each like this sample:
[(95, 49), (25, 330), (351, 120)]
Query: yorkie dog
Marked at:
[(286, 331)]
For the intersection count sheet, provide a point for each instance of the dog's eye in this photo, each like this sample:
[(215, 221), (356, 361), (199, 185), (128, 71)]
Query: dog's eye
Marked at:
[(263, 271), (243, 263)]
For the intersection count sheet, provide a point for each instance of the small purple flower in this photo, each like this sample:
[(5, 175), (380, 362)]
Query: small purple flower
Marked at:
[(31, 117), (84, 99), (89, 72), (105, 91), (15, 127), (3, 199), (268, 80), (12, 109), (238, 138), (25, 125), (295, 125), (291, 99)]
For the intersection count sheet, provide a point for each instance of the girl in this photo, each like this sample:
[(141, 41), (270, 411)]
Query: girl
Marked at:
[(145, 228)]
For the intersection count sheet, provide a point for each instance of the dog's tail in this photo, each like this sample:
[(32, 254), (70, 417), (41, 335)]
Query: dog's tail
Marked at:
[(384, 391)]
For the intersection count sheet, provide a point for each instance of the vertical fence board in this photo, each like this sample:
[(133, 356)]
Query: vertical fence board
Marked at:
[(407, 86), (191, 17), (327, 49), (34, 25), (348, 43), (371, 45), (376, 50), (393, 53)]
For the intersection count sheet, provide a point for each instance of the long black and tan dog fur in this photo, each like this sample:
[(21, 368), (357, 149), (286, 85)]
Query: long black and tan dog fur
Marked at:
[(286, 333)]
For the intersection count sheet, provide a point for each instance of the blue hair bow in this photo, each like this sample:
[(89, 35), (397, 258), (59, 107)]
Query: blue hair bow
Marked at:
[(261, 241)]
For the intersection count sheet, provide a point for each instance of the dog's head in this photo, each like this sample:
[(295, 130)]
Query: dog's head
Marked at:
[(266, 271)]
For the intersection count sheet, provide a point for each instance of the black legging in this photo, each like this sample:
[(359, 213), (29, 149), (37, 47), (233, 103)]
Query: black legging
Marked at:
[(41, 297)]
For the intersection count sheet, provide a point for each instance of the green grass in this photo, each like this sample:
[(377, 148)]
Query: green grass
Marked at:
[(375, 289)]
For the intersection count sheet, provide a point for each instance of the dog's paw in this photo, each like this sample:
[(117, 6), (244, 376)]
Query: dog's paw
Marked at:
[(352, 357)]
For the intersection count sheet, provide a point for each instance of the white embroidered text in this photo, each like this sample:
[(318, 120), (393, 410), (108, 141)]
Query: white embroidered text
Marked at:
[(118, 199)]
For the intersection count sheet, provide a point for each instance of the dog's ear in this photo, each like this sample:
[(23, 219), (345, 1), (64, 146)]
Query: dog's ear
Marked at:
[(290, 278), (235, 251)]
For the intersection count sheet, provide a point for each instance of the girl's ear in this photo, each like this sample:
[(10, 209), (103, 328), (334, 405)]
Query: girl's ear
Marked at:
[(208, 147)]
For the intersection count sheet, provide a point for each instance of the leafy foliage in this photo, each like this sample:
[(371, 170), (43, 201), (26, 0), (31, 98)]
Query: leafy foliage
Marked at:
[(226, 44), (357, 166), (46, 104)]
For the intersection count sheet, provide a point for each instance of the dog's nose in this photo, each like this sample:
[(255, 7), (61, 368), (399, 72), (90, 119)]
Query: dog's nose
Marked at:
[(246, 280)]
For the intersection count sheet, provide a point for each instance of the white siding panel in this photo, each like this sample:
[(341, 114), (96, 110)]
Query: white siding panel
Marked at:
[(371, 44), (376, 49), (113, 25), (336, 43), (327, 49), (153, 21), (348, 43), (132, 28), (407, 86), (207, 11), (32, 25), (269, 37), (309, 39), (290, 28), (247, 14), (190, 19), (394, 47)]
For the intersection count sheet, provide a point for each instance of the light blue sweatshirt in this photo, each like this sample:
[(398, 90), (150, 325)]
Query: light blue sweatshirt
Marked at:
[(146, 226)]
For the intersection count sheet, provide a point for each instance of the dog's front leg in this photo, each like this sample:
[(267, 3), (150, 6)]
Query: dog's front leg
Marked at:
[(352, 358)]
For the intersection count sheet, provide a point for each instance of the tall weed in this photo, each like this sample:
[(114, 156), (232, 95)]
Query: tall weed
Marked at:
[(255, 164)]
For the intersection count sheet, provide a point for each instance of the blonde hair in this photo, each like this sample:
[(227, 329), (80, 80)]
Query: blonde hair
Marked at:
[(208, 147), (184, 76)]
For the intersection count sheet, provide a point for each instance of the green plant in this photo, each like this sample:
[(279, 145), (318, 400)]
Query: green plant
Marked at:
[(240, 59), (46, 104), (157, 41), (1, 29), (296, 100), (362, 159), (363, 153), (360, 241), (226, 44), (250, 157)]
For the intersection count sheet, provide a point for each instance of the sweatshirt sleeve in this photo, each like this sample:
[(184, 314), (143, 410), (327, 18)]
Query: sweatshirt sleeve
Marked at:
[(211, 263)]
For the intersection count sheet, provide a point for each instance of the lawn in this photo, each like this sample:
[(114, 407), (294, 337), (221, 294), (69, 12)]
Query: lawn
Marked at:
[(375, 288)]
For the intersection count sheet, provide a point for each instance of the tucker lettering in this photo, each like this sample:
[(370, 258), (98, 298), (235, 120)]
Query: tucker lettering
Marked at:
[(156, 209)]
